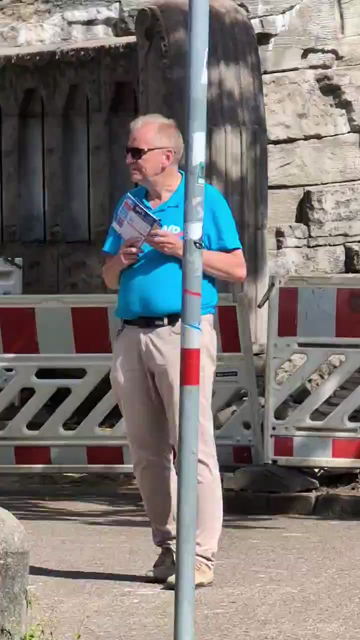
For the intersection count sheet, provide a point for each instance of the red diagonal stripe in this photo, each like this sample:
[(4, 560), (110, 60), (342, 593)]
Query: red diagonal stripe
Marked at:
[(190, 368), (192, 293), (229, 330), (105, 455), (18, 330), (91, 330)]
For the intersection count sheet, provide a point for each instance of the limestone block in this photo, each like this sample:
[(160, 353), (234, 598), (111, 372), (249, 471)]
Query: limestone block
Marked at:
[(349, 52), (94, 15), (79, 32), (343, 87), (350, 18), (26, 34), (41, 25), (289, 236), (282, 205), (301, 37), (296, 108), (332, 210), (305, 261), (309, 162)]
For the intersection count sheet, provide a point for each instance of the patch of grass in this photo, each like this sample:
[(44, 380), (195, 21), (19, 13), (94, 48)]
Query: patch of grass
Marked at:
[(38, 632)]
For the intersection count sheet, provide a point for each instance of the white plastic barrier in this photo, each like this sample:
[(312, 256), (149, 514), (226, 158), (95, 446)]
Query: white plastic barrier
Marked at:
[(10, 276), (57, 411), (313, 343)]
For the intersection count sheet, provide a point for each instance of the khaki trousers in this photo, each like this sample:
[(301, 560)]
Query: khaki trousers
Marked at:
[(145, 379)]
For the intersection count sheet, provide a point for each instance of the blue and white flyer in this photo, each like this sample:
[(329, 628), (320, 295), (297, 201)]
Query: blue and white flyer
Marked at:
[(132, 220)]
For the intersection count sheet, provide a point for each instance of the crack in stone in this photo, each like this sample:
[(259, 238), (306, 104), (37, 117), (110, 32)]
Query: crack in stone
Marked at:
[(340, 13)]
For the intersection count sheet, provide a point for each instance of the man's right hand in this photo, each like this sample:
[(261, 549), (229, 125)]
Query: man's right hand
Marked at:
[(128, 254)]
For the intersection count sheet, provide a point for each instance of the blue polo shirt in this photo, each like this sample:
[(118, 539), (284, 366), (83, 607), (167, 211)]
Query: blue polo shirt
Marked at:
[(152, 287)]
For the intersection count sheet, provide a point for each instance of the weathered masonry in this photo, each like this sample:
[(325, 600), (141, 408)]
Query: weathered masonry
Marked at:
[(73, 74), (310, 56)]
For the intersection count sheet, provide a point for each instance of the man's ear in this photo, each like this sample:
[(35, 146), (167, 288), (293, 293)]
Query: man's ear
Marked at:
[(169, 156)]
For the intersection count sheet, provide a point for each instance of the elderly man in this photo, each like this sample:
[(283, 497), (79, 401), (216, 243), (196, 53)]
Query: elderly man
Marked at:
[(146, 364)]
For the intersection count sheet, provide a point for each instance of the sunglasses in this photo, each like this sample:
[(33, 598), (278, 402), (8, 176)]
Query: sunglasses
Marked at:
[(137, 153)]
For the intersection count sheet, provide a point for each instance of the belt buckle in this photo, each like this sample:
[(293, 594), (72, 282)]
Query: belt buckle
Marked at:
[(161, 322)]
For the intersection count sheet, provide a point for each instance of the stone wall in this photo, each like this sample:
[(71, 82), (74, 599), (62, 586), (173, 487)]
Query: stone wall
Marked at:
[(310, 55), (50, 22)]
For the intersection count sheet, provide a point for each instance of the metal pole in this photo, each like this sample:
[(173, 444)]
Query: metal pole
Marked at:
[(198, 32)]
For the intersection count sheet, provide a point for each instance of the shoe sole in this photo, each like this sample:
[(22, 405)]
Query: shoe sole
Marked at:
[(171, 587), (156, 579)]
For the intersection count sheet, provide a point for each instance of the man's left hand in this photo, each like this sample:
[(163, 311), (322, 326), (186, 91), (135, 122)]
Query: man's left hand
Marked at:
[(166, 242)]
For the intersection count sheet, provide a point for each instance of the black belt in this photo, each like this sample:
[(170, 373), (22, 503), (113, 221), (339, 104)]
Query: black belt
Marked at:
[(153, 323)]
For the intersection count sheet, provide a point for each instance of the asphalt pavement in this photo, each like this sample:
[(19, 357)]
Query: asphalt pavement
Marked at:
[(276, 577)]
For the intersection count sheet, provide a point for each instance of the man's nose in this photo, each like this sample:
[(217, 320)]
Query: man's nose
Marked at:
[(129, 159)]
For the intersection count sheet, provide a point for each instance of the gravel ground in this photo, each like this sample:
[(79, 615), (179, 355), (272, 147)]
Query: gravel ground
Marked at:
[(276, 578)]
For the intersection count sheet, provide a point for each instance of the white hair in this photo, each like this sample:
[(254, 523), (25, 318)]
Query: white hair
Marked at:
[(167, 132)]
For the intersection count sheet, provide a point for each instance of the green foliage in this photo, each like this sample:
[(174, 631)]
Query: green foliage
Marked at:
[(38, 632)]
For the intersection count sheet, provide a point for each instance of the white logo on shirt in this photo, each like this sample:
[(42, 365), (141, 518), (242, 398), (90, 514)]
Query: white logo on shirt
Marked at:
[(172, 228)]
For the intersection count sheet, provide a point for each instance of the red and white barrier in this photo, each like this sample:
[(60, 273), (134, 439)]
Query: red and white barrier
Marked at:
[(314, 322), (320, 311), (55, 344), (82, 324)]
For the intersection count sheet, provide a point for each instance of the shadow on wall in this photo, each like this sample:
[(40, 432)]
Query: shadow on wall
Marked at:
[(237, 155)]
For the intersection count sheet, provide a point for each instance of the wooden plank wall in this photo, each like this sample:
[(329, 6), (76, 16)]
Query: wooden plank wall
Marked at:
[(64, 123)]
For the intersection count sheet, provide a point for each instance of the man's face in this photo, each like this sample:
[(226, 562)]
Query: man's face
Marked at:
[(143, 169)]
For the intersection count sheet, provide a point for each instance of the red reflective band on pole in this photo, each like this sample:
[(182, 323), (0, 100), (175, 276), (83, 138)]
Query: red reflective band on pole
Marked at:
[(190, 368)]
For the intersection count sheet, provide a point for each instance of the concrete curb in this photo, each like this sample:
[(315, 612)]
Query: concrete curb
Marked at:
[(323, 505), (14, 569)]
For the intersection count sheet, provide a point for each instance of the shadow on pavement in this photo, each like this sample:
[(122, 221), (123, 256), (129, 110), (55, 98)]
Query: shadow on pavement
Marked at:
[(86, 575), (125, 510)]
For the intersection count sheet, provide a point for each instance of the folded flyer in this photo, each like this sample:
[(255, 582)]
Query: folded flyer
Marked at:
[(133, 220)]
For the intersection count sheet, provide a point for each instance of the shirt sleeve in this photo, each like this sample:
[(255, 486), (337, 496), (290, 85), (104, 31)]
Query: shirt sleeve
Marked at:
[(220, 232), (113, 240)]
